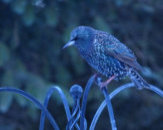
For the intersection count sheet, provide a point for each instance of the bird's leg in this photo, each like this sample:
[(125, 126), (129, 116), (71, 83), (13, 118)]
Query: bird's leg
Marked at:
[(105, 83)]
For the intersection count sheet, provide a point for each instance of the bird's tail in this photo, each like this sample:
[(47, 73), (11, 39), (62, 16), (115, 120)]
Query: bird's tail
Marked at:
[(137, 79)]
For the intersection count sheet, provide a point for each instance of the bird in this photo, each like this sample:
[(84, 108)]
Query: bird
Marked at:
[(107, 55)]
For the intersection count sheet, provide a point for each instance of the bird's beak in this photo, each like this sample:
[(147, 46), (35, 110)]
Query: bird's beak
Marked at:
[(70, 43)]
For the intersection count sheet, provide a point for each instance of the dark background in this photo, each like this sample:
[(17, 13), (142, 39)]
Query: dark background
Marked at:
[(31, 59)]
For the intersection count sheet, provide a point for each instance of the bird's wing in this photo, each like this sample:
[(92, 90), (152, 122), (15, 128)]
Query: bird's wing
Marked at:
[(113, 47)]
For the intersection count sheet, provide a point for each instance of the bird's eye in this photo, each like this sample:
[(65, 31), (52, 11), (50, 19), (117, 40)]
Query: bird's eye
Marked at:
[(75, 38)]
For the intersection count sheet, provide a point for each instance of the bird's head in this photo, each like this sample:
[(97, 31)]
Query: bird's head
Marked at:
[(81, 36)]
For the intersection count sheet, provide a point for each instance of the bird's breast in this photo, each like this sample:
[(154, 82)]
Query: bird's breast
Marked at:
[(106, 65), (102, 63)]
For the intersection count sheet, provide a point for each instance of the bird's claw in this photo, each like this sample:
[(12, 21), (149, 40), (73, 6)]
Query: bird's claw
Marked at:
[(104, 84)]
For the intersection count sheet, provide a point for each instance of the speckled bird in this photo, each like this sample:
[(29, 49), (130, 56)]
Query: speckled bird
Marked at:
[(106, 54)]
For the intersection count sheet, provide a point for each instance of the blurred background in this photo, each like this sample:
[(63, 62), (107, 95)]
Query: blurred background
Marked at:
[(32, 59)]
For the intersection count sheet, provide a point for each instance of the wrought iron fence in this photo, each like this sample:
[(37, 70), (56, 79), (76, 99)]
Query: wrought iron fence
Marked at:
[(76, 118)]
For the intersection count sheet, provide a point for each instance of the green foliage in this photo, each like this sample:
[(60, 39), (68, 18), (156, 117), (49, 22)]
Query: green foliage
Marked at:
[(6, 1), (19, 6)]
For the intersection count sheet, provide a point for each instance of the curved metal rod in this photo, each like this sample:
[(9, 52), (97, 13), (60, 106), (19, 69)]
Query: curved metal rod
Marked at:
[(46, 101), (76, 108), (103, 104), (115, 92), (84, 101), (36, 102), (110, 109), (156, 90), (75, 121)]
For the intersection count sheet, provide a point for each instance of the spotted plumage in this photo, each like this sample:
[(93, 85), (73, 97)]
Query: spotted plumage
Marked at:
[(106, 54)]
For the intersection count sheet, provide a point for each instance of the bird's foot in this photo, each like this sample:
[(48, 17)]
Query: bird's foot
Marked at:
[(105, 83)]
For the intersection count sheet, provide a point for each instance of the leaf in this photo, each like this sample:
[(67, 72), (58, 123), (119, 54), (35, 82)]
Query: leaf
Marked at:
[(21, 100), (20, 73), (5, 101), (19, 6), (4, 54), (51, 16), (8, 78), (37, 87), (29, 16)]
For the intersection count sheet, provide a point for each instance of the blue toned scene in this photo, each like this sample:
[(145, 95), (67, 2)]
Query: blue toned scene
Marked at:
[(81, 65)]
